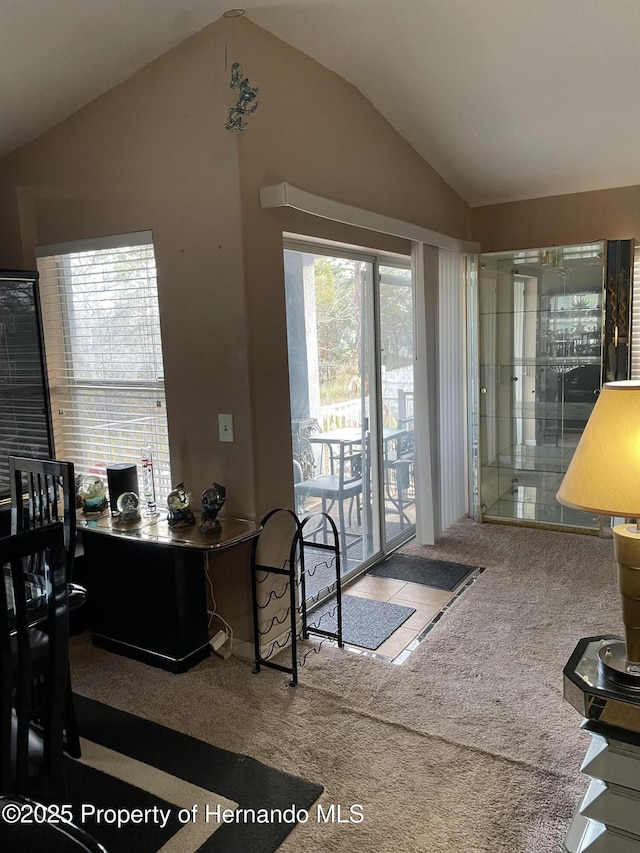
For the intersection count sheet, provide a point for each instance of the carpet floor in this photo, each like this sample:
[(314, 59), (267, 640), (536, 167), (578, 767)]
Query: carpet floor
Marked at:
[(468, 746)]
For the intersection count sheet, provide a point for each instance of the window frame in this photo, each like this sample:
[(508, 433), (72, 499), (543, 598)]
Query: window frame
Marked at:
[(122, 437)]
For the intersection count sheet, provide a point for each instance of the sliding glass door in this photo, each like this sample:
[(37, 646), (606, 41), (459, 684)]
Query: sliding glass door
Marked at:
[(396, 384), (350, 328)]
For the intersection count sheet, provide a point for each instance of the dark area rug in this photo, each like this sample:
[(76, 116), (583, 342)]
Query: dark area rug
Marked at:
[(436, 573), (216, 773), (365, 622)]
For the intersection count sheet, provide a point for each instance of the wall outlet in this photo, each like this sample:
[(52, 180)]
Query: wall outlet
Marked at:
[(225, 427), (224, 651), (218, 640)]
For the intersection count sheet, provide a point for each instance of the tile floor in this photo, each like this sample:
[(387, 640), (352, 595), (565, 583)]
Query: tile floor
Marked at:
[(427, 601)]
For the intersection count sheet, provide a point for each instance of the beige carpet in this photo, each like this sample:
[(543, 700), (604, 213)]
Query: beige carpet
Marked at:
[(467, 747)]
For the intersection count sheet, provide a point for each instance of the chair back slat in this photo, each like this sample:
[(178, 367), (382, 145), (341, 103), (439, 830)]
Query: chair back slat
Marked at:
[(33, 613), (350, 464), (22, 567), (42, 492)]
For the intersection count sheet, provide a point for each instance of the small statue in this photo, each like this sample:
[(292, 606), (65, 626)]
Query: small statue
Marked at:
[(127, 505), (178, 502), (212, 500)]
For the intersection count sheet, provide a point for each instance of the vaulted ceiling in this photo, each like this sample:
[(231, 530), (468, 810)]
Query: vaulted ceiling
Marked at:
[(506, 99)]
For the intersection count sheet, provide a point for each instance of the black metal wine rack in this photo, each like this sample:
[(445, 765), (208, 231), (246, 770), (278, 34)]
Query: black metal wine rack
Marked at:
[(294, 570)]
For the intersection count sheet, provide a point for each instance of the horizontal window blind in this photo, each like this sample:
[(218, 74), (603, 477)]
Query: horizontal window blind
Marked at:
[(24, 421), (104, 356)]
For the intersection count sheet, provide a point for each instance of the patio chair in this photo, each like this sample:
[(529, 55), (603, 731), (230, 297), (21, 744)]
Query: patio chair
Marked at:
[(341, 486), (399, 453)]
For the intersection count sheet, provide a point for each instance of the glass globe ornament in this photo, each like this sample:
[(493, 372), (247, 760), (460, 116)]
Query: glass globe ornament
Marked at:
[(93, 492), (178, 502), (128, 506)]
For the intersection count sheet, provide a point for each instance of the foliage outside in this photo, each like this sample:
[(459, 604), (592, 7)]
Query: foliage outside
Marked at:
[(340, 286)]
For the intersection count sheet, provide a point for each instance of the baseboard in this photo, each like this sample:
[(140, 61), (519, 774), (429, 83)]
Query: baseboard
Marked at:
[(243, 650)]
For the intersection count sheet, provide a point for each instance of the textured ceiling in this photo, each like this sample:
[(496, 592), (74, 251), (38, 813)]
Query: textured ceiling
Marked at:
[(506, 99)]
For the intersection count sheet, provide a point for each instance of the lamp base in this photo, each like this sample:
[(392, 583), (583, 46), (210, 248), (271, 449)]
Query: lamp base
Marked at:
[(614, 666)]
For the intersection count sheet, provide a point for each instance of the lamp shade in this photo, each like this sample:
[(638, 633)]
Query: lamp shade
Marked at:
[(603, 476)]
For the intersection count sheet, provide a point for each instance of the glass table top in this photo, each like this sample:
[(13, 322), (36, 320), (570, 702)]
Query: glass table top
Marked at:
[(225, 533)]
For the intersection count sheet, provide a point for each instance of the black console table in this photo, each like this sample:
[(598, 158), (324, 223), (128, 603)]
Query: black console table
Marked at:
[(146, 583)]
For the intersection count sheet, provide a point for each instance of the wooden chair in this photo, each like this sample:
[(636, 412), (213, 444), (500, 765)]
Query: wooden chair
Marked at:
[(34, 662), (42, 492)]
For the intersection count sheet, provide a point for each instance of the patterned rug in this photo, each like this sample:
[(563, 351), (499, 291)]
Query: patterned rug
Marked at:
[(144, 787)]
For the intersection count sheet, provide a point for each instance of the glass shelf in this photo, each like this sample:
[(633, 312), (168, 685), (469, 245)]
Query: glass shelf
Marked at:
[(540, 338)]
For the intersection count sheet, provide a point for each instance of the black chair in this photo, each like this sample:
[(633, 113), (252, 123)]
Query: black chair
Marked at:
[(42, 492), (34, 662), (342, 485), (37, 836)]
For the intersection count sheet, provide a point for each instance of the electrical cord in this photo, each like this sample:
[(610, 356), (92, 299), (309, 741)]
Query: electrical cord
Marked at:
[(214, 614)]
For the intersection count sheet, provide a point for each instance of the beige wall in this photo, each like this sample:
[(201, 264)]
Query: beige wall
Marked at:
[(559, 220), (318, 133), (153, 154)]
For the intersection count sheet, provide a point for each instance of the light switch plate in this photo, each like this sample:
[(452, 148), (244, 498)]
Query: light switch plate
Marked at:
[(225, 427)]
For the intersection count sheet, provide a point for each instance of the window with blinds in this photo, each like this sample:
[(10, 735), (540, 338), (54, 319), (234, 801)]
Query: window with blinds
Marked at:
[(104, 354), (24, 404)]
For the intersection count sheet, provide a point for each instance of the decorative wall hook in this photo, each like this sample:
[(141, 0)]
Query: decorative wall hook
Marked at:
[(247, 102)]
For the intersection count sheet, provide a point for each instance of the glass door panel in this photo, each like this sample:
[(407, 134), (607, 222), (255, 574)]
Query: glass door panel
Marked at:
[(540, 356), (329, 323), (397, 421), (350, 340)]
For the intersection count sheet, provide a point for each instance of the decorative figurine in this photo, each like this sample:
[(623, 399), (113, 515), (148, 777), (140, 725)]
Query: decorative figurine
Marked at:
[(247, 100), (94, 495), (212, 500), (128, 504), (178, 502)]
